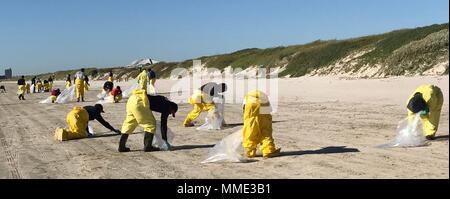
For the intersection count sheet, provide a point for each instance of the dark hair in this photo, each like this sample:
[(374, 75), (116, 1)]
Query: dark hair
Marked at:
[(209, 88), (417, 103), (173, 106), (82, 70)]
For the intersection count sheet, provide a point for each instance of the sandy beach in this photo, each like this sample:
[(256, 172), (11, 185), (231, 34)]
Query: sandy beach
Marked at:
[(327, 128)]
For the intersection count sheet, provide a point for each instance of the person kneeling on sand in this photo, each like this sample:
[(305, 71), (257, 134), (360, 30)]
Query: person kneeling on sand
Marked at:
[(138, 113), (258, 125), (54, 95), (427, 100), (116, 93), (78, 120)]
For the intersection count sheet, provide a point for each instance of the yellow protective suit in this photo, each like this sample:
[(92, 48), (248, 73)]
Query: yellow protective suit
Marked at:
[(53, 98), (77, 120), (27, 88), (22, 89), (434, 99), (39, 87), (50, 85), (139, 113), (143, 79), (68, 84), (47, 87), (201, 102), (258, 125), (117, 98), (79, 84), (110, 79)]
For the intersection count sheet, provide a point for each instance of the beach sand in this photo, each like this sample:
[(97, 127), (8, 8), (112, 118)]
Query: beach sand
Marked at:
[(327, 128)]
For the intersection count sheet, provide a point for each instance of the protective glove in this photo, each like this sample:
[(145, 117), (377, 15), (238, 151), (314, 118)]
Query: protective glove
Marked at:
[(117, 131)]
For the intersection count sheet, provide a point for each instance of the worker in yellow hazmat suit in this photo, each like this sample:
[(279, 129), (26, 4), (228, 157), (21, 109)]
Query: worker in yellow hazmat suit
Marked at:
[(258, 125), (46, 86), (21, 88), (202, 101), (110, 77), (138, 114), (143, 79), (79, 84), (39, 85), (28, 88), (427, 100), (50, 82), (68, 82), (78, 120)]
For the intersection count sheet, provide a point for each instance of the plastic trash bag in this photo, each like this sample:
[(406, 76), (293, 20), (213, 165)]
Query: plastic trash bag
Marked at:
[(108, 99), (66, 95), (32, 88), (46, 101), (229, 149), (126, 93), (158, 142), (91, 130), (151, 90), (102, 95), (214, 121), (410, 134)]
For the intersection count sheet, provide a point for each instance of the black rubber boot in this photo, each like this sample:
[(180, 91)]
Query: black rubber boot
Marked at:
[(122, 142), (148, 140)]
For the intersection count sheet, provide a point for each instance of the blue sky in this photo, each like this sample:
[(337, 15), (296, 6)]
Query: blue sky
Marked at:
[(47, 35)]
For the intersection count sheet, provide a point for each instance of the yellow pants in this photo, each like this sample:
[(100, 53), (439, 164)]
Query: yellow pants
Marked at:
[(79, 84), (27, 88), (68, 84), (21, 90), (50, 84), (117, 98), (139, 113), (257, 125), (434, 99), (77, 120), (38, 87), (198, 108), (53, 98), (46, 87)]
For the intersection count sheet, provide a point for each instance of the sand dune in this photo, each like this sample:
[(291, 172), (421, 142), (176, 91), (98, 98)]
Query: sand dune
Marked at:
[(327, 128)]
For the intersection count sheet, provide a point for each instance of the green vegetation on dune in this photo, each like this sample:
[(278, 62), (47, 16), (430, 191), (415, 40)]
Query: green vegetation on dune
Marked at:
[(400, 52)]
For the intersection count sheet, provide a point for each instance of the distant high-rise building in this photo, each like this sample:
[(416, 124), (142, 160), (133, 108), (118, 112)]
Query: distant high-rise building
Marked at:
[(8, 73)]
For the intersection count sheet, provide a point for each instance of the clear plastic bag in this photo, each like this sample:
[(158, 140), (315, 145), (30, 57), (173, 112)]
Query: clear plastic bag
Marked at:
[(158, 141), (214, 120), (104, 100), (126, 93), (102, 95), (32, 88), (151, 90), (229, 149), (410, 134), (46, 101), (66, 95)]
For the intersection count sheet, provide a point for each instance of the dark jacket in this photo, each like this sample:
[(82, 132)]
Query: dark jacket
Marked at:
[(161, 105), (21, 82), (94, 114)]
